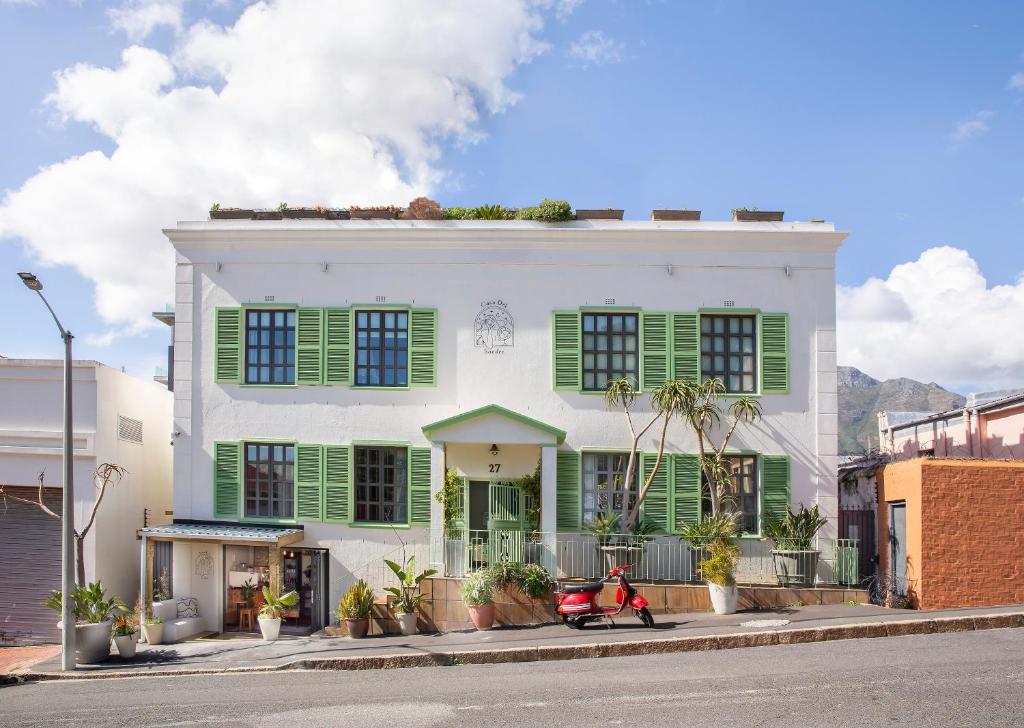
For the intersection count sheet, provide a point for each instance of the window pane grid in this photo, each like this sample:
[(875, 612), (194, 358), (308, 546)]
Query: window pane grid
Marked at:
[(604, 476), (728, 348), (270, 347), (382, 348), (269, 480), (742, 494), (381, 484), (610, 349)]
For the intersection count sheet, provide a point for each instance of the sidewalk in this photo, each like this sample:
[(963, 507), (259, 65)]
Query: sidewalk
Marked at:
[(674, 633)]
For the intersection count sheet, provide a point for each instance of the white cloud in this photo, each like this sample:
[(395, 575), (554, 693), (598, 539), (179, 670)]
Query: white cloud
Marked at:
[(1017, 81), (971, 128), (139, 18), (935, 319), (594, 48), (565, 8), (303, 101)]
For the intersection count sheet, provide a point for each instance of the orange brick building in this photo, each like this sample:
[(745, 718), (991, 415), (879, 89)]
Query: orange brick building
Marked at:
[(958, 526)]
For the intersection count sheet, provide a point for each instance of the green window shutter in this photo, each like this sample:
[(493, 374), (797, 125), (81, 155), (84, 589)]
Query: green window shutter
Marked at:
[(309, 336), (227, 478), (656, 507), (686, 498), (565, 342), (686, 347), (775, 486), (567, 490), (654, 349), (419, 486), (338, 346), (774, 353), (423, 347), (308, 482), (229, 345), (337, 483)]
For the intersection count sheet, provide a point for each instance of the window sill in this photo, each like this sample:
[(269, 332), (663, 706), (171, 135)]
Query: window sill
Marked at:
[(400, 526)]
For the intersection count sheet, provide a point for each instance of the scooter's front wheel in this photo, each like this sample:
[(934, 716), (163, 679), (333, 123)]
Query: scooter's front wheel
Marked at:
[(645, 616)]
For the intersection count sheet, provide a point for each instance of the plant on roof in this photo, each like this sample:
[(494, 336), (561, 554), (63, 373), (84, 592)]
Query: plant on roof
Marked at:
[(547, 211), (492, 212), (377, 208), (214, 207), (282, 206), (745, 209), (423, 208)]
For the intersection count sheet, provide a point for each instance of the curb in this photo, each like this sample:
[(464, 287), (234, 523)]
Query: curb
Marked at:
[(706, 643)]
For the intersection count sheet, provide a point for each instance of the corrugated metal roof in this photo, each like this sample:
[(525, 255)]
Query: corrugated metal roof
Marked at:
[(222, 531)]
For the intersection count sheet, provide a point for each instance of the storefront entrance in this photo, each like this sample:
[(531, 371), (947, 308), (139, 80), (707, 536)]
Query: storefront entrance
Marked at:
[(246, 572), (305, 572)]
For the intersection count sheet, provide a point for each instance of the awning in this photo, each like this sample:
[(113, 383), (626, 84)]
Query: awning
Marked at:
[(224, 532)]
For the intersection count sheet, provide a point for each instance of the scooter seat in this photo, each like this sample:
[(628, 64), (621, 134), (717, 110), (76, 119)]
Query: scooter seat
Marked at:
[(594, 586)]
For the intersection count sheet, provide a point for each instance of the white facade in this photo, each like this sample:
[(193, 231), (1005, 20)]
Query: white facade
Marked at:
[(31, 441), (458, 268)]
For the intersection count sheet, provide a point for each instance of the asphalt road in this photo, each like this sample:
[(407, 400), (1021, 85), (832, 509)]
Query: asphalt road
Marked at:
[(962, 679)]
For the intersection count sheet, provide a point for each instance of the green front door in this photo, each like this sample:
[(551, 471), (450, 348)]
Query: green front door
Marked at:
[(505, 522)]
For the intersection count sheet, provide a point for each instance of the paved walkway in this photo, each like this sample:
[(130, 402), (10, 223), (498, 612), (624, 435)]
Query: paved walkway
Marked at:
[(235, 653)]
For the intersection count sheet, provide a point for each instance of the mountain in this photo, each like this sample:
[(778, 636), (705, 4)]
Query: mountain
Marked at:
[(862, 397)]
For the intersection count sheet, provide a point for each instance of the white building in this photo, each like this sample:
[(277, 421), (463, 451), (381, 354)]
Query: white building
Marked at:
[(118, 419), (394, 350)]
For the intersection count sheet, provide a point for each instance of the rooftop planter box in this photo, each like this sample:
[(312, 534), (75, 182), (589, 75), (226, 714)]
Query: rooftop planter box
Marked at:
[(332, 214), (374, 213), (267, 215), (599, 214), (303, 213), (231, 213), (757, 215), (675, 215)]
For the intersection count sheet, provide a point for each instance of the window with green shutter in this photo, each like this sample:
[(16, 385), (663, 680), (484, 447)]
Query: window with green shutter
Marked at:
[(657, 504), (338, 346), (685, 347), (309, 336), (776, 489), (686, 478), (419, 486), (654, 349), (423, 347), (337, 497), (227, 479), (567, 490), (775, 353), (565, 339), (308, 482), (228, 345)]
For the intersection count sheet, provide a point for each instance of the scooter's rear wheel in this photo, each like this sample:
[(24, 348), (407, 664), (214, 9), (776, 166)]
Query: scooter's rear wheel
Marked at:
[(645, 616)]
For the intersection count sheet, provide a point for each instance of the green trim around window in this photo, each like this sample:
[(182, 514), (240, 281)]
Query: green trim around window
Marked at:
[(568, 490), (241, 491), (566, 350)]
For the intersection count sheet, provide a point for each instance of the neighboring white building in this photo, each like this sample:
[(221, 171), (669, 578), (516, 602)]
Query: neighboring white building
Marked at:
[(404, 348), (118, 419)]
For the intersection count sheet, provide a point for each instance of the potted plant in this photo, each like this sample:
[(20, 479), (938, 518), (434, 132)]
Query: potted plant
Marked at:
[(273, 607), (620, 548), (153, 630), (713, 540), (126, 634), (407, 593), (794, 555), (248, 592), (303, 213), (93, 614), (379, 212), (675, 215), (229, 213), (752, 214), (355, 609), (478, 596)]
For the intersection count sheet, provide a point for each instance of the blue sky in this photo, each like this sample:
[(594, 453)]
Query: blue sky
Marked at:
[(901, 122)]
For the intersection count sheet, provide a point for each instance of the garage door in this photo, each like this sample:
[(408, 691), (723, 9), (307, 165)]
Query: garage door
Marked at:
[(29, 567)]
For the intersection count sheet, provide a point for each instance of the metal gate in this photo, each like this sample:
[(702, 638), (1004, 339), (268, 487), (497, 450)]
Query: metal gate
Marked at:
[(29, 566), (860, 524)]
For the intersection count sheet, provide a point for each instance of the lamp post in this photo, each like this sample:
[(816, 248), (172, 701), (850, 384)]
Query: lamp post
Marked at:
[(67, 640)]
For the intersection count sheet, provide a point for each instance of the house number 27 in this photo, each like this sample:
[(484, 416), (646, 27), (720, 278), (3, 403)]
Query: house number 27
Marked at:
[(494, 467)]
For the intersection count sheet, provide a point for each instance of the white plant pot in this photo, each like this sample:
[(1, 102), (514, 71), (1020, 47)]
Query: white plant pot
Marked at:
[(92, 641), (126, 644), (270, 628), (723, 598), (154, 633), (407, 623)]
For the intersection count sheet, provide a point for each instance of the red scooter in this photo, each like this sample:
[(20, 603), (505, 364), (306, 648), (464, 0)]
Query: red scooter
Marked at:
[(577, 604)]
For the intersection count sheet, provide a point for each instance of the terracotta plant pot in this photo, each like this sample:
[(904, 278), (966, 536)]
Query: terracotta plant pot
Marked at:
[(482, 616), (126, 644), (676, 215), (231, 213), (599, 214), (407, 623), (757, 216), (357, 628)]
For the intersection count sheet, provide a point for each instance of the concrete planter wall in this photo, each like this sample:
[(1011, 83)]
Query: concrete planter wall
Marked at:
[(231, 214), (599, 214), (757, 216), (92, 641), (795, 568), (675, 215)]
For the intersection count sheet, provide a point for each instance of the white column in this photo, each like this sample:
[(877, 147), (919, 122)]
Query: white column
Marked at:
[(437, 470), (548, 488)]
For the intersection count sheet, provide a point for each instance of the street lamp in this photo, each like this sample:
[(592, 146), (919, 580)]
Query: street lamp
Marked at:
[(67, 640)]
